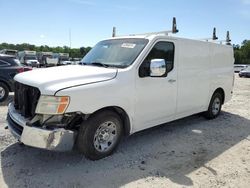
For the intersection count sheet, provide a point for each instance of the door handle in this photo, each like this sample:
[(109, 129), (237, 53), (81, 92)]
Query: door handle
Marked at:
[(171, 81)]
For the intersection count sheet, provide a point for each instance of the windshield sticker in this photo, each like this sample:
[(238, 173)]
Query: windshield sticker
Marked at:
[(128, 45)]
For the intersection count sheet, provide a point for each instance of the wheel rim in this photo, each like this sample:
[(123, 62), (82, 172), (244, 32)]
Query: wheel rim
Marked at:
[(105, 136), (216, 106), (2, 92)]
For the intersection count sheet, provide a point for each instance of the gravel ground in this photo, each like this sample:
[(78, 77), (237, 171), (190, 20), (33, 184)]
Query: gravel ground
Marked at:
[(191, 152)]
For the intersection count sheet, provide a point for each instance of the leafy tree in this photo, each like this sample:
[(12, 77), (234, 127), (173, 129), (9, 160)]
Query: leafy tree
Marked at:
[(74, 52), (242, 53)]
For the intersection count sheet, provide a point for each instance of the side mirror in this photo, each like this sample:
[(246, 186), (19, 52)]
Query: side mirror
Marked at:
[(158, 68)]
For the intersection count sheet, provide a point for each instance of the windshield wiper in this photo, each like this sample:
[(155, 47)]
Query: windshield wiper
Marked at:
[(102, 64), (98, 64)]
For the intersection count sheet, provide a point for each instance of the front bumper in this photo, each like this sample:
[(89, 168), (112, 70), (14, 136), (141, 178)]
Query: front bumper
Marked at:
[(57, 139)]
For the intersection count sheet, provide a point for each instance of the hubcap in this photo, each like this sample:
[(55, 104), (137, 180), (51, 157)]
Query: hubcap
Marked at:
[(2, 92), (105, 136), (216, 106)]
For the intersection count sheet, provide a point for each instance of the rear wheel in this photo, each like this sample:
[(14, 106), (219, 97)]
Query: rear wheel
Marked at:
[(99, 136), (4, 92), (215, 105)]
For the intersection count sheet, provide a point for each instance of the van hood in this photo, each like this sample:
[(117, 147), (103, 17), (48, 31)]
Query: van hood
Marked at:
[(30, 62), (50, 80)]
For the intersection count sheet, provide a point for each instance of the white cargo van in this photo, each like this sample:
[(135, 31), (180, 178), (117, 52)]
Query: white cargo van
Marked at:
[(28, 58), (46, 59), (125, 85), (9, 52), (63, 58)]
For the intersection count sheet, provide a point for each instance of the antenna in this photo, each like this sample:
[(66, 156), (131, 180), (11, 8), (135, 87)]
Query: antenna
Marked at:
[(114, 32), (228, 40), (174, 27), (70, 38), (214, 34)]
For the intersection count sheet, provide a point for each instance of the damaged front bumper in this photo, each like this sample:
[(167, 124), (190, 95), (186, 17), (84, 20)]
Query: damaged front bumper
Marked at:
[(57, 139)]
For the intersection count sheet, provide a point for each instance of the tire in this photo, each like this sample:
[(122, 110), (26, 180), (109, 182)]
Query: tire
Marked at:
[(100, 135), (4, 92), (215, 105)]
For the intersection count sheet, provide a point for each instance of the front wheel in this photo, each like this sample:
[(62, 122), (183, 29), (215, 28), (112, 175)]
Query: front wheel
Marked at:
[(99, 136), (215, 105), (4, 92)]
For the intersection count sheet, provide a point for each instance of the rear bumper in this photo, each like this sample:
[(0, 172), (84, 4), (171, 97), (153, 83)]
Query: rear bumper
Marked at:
[(245, 74), (57, 139)]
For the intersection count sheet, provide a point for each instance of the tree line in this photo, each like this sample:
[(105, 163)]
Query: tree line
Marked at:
[(73, 52), (242, 53)]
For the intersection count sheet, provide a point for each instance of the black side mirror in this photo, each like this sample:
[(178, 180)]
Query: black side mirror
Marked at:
[(144, 70)]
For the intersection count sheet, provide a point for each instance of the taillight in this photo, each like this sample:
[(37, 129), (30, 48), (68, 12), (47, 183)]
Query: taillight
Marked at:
[(19, 70), (23, 69), (27, 69)]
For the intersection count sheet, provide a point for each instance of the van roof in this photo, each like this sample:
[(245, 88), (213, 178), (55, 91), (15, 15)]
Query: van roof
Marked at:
[(9, 50), (164, 36), (7, 56)]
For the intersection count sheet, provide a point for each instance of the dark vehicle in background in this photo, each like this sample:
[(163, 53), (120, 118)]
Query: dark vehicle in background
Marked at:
[(245, 72), (9, 67)]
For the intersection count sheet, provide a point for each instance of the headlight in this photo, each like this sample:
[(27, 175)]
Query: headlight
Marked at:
[(52, 105)]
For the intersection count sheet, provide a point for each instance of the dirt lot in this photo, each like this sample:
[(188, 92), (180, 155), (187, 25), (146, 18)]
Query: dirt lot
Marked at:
[(189, 152)]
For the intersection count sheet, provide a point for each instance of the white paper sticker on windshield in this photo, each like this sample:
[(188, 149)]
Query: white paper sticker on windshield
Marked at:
[(128, 45)]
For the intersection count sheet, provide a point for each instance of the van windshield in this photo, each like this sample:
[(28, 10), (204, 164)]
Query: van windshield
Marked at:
[(118, 53), (30, 58), (64, 58), (9, 52)]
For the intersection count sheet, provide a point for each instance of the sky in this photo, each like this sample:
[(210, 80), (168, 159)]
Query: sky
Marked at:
[(50, 22)]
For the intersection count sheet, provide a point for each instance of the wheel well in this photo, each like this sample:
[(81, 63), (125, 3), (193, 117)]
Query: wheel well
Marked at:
[(7, 85), (221, 91), (123, 115)]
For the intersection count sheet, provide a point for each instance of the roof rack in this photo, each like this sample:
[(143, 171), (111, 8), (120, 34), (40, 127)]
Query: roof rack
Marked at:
[(214, 37), (228, 39), (114, 32), (173, 31)]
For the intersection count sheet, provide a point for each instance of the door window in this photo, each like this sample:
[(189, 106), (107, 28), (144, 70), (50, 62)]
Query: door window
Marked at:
[(3, 63), (161, 50)]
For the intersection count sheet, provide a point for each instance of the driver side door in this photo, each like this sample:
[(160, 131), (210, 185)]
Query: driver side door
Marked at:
[(156, 96)]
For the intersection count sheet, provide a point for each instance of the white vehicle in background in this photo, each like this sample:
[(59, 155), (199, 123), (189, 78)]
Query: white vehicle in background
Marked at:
[(238, 67), (76, 61), (46, 59), (28, 58), (125, 85), (63, 58), (9, 52)]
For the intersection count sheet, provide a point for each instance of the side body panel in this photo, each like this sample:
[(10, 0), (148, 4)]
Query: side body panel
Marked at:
[(118, 92), (222, 73), (155, 97), (193, 77)]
